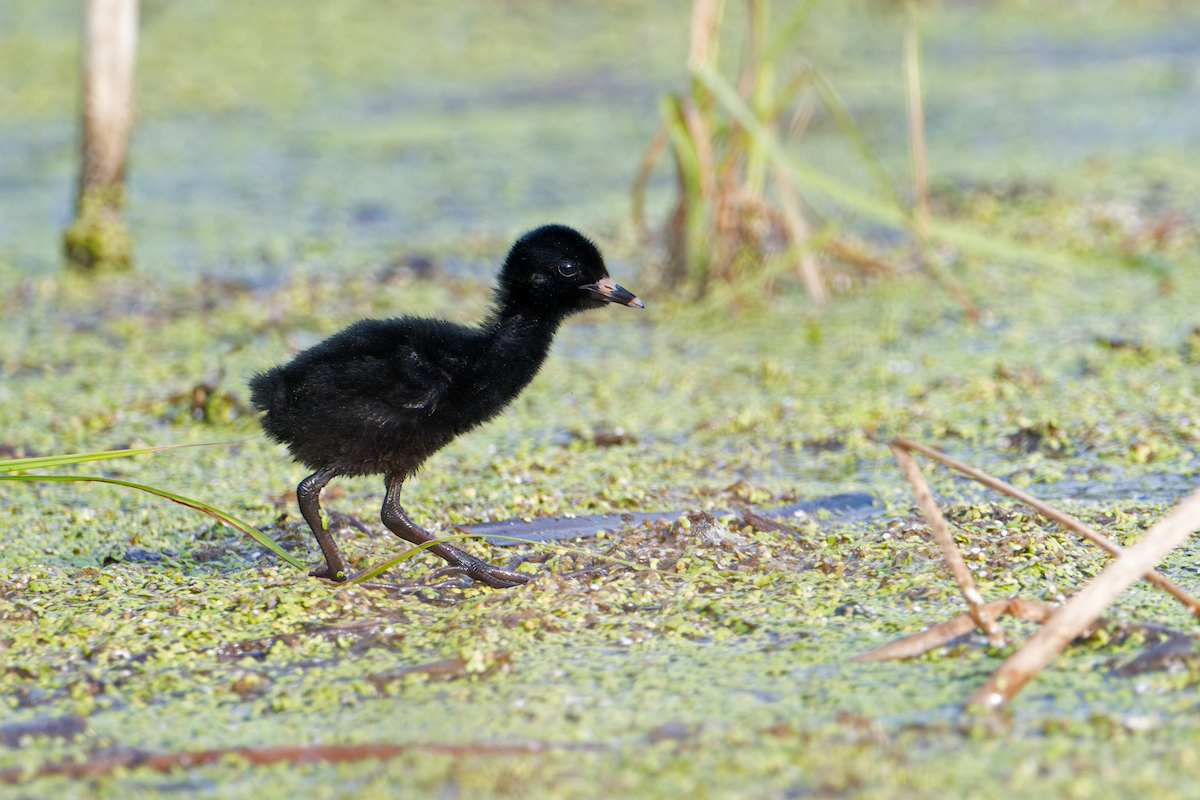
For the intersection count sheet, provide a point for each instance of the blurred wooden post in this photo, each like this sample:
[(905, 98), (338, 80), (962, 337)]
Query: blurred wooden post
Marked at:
[(98, 239), (706, 30), (916, 122)]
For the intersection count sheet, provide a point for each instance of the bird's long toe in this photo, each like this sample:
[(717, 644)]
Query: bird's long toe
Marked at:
[(480, 571), (328, 573), (499, 577)]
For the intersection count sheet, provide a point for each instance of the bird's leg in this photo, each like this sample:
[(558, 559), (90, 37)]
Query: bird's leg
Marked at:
[(397, 521), (308, 494)]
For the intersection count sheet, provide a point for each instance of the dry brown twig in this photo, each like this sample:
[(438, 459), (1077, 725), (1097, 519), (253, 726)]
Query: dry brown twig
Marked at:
[(944, 632), (920, 170), (916, 123), (856, 253), (1059, 626), (1083, 609), (106, 762), (941, 534), (1049, 512)]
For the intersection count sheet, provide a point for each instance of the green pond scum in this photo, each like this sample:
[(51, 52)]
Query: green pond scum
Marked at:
[(720, 666), (693, 657)]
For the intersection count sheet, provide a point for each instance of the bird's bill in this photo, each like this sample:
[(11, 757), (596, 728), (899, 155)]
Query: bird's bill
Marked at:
[(612, 292)]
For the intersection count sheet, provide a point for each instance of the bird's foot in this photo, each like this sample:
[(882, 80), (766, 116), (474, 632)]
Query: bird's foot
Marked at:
[(467, 566), (480, 571), (499, 577), (329, 573)]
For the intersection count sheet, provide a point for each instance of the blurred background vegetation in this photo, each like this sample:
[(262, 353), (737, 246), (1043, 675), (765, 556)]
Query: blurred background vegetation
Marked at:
[(367, 135)]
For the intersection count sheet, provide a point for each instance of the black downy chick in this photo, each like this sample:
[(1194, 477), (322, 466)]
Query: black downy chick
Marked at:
[(382, 396)]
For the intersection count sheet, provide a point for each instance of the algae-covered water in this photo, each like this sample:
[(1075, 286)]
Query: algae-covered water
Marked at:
[(355, 134), (279, 192)]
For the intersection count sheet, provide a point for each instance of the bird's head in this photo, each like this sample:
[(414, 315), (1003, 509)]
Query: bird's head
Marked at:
[(556, 269)]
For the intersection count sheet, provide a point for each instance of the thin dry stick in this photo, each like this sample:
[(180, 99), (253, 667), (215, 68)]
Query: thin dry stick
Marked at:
[(808, 268), (856, 253), (916, 124), (941, 534), (920, 165), (649, 159), (1083, 609), (1049, 512), (128, 758), (706, 26), (943, 632)]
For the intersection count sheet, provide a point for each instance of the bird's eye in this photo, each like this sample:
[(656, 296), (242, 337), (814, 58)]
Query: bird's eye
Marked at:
[(568, 269)]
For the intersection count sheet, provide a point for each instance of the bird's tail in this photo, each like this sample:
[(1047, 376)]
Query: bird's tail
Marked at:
[(268, 392)]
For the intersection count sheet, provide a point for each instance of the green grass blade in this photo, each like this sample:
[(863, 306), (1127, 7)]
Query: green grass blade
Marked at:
[(791, 93), (845, 121), (687, 159), (407, 554), (803, 174), (962, 236), (788, 30), (681, 139), (212, 511), (44, 462)]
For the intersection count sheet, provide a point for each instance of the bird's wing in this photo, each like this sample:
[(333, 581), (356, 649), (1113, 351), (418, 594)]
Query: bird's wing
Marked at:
[(416, 381), (396, 370)]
